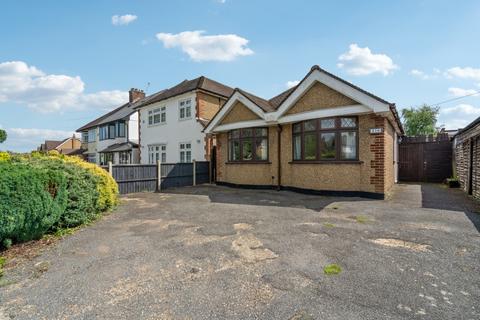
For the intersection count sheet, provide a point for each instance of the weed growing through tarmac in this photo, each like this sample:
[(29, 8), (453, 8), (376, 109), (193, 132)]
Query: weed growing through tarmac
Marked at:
[(328, 225), (3, 260), (361, 219), (332, 269)]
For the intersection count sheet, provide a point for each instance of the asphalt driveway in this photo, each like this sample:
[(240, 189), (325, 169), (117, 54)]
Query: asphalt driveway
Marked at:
[(218, 253)]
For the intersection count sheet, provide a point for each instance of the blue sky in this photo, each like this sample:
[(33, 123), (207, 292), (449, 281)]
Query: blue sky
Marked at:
[(64, 63)]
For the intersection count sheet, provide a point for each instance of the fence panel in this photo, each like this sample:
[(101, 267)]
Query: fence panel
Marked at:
[(143, 177), (135, 178)]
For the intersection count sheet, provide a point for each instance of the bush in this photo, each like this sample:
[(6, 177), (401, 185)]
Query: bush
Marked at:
[(5, 156), (31, 201), (40, 193)]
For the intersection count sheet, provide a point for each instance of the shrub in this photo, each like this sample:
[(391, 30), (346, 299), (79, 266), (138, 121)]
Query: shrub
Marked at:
[(47, 192), (5, 156), (81, 190), (31, 200)]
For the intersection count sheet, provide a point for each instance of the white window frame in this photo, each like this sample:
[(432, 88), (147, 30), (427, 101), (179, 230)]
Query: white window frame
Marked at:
[(157, 152), (184, 107), (92, 135), (162, 116), (185, 151)]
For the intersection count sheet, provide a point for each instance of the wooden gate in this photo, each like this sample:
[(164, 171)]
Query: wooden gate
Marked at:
[(425, 158)]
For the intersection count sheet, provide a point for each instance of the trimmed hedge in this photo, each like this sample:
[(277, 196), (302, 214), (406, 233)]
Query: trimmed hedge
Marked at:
[(42, 193)]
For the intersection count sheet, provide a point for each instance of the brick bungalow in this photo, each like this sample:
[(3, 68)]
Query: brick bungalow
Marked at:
[(467, 158), (324, 135)]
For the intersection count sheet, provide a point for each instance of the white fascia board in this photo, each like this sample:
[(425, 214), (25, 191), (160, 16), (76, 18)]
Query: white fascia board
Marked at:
[(335, 84), (237, 96), (241, 124), (323, 113)]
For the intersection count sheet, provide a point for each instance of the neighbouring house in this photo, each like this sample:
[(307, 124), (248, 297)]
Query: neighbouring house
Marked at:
[(466, 144), (325, 135), (113, 137), (68, 146), (171, 121)]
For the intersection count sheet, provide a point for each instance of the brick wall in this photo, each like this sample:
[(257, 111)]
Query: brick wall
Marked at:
[(377, 147)]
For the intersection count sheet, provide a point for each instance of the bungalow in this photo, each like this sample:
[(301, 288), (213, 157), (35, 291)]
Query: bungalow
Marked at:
[(68, 146), (171, 121), (466, 144), (324, 135), (114, 136)]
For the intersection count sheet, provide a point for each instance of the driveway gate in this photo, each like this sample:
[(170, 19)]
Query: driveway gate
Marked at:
[(425, 158)]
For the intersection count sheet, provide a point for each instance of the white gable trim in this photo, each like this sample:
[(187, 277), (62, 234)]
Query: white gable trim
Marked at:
[(335, 84), (241, 124), (237, 96), (323, 113)]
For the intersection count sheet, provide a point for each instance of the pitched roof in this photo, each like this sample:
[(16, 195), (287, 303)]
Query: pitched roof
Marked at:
[(471, 125), (274, 103), (124, 146), (52, 144), (202, 83)]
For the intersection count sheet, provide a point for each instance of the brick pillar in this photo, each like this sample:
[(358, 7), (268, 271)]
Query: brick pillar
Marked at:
[(377, 147)]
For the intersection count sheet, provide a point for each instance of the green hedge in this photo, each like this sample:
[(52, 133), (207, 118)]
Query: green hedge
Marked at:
[(31, 201), (42, 193)]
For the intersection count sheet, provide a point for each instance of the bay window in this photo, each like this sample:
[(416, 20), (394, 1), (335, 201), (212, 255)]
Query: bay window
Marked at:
[(248, 145), (326, 139)]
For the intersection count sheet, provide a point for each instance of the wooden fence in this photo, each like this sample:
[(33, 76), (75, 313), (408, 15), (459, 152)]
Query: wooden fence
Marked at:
[(425, 158), (133, 178)]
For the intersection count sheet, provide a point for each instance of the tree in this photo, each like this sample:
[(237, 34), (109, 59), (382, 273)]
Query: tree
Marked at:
[(3, 135), (420, 121)]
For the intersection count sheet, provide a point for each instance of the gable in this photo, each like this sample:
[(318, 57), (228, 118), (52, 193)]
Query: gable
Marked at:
[(320, 96), (239, 112)]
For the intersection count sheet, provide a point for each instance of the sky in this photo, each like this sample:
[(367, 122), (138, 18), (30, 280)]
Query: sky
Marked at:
[(64, 63)]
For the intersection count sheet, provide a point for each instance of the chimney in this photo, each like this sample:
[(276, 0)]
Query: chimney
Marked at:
[(135, 94)]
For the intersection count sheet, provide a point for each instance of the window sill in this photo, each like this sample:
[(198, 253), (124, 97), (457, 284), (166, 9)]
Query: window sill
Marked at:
[(156, 124), (248, 162), (327, 162)]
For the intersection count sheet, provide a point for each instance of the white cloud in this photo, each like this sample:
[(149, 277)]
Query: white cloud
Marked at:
[(222, 47), (464, 73), (291, 84), (460, 92), (123, 20), (28, 139), (458, 116), (419, 74), (463, 108), (24, 84), (361, 61)]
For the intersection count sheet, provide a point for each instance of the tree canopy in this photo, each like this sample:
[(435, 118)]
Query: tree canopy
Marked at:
[(420, 121), (3, 135)]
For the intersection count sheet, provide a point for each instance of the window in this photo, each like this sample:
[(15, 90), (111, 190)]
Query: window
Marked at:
[(107, 132), (105, 158), (326, 139), (124, 157), (185, 109), (185, 152), (120, 129), (84, 136), (92, 135), (157, 115), (111, 131), (103, 133), (156, 153), (92, 158), (249, 144)]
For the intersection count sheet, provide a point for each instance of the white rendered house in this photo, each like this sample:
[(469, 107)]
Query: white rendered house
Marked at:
[(171, 121)]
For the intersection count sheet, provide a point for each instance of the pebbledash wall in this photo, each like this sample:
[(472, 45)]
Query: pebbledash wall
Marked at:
[(373, 173)]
